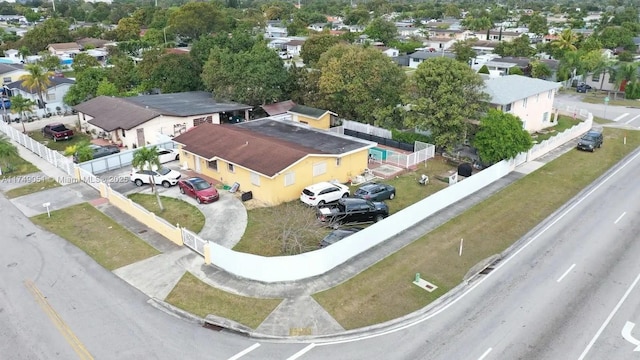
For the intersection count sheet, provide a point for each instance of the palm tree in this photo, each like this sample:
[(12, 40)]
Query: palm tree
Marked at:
[(8, 151), (81, 151), (38, 79), (625, 73), (566, 41), (570, 66), (19, 105), (147, 158)]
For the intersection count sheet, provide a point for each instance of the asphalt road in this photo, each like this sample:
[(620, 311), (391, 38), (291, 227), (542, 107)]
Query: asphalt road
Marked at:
[(620, 114)]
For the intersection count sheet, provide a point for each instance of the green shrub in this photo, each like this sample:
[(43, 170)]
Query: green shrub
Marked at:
[(515, 71), (410, 137), (484, 70)]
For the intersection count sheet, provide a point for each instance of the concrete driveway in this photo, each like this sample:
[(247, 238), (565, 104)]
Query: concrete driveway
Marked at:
[(225, 219)]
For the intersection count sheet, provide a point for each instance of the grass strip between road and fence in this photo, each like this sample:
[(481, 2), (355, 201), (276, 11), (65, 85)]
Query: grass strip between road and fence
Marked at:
[(103, 239), (385, 290), (13, 166), (200, 299), (32, 188)]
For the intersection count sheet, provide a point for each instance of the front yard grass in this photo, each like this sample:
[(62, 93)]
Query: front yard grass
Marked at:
[(59, 145), (564, 123), (385, 290), (32, 188), (597, 97), (176, 211), (198, 298), (266, 226), (108, 243), (16, 166)]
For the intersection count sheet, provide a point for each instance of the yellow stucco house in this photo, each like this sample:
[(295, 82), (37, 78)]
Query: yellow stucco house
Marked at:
[(274, 159), (316, 118)]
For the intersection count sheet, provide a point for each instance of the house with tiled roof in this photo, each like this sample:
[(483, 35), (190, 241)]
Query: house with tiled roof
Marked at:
[(140, 120), (527, 98), (64, 49), (53, 96), (316, 118), (273, 159)]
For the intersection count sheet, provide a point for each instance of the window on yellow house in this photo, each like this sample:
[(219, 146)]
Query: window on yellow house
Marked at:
[(319, 168), (213, 164), (230, 168), (255, 179), (289, 179), (338, 161)]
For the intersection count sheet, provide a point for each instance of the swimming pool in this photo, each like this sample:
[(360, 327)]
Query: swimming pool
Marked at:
[(378, 154)]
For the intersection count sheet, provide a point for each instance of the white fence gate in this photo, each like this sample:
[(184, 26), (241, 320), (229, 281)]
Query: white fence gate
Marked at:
[(193, 241)]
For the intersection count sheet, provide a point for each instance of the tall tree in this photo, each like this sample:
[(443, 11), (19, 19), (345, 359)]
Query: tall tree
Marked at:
[(51, 31), (540, 70), (83, 61), (20, 105), (86, 86), (566, 41), (501, 137), (128, 29), (463, 50), (315, 46), (355, 82), (445, 94), (381, 30), (49, 62), (173, 73), (538, 25), (198, 18), (146, 158), (38, 79), (254, 77), (625, 73)]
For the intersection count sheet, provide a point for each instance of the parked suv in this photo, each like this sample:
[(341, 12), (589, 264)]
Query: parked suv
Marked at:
[(352, 210), (324, 192), (163, 176), (590, 141)]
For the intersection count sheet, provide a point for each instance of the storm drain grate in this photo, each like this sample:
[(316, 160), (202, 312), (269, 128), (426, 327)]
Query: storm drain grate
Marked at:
[(211, 326)]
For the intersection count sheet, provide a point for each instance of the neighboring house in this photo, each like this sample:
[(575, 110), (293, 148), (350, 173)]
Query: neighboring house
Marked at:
[(390, 52), (11, 72), (53, 96), (524, 64), (95, 43), (529, 99), (484, 47), (317, 26), (418, 57), (275, 30), (275, 160), (497, 35), (294, 47), (64, 49), (439, 43), (496, 67), (279, 109), (278, 44), (139, 120), (449, 34), (602, 81), (316, 118)]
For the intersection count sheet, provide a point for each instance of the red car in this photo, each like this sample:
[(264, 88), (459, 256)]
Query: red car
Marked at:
[(199, 189)]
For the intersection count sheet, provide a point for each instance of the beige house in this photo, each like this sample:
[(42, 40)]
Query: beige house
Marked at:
[(11, 72), (316, 118), (61, 49), (496, 35), (527, 98), (142, 120)]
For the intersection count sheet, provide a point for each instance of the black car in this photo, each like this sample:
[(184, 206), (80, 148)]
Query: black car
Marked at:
[(590, 141), (583, 88), (100, 151), (352, 210), (337, 235)]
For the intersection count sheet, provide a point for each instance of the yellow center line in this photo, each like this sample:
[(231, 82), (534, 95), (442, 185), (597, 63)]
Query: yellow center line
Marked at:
[(64, 329)]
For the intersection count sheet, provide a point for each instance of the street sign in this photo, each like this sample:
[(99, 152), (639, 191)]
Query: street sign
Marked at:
[(606, 99)]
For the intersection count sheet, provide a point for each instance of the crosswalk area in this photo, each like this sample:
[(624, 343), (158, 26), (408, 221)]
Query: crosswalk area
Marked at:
[(628, 119)]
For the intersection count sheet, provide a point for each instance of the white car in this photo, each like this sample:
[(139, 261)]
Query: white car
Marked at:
[(324, 192), (167, 155), (164, 176)]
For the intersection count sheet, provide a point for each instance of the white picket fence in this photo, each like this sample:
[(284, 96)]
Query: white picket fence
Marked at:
[(562, 138), (53, 157), (366, 128), (422, 152)]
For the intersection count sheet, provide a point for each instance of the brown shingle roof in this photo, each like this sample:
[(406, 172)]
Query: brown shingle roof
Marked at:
[(248, 149), (278, 108), (98, 43), (65, 46), (111, 113)]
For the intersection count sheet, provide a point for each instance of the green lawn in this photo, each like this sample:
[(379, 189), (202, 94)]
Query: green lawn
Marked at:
[(564, 123), (385, 290), (265, 236), (198, 298), (16, 166), (32, 188), (176, 211), (598, 98), (106, 241), (59, 145)]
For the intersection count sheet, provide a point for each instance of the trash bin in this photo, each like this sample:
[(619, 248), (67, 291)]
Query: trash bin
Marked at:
[(246, 196)]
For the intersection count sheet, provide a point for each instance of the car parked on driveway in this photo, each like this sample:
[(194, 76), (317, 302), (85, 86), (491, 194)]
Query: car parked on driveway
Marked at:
[(590, 141), (323, 193), (200, 189), (100, 151), (337, 235), (352, 210), (168, 155), (375, 192), (583, 88), (163, 176), (57, 132)]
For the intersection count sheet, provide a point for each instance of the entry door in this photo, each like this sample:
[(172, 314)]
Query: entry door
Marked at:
[(140, 133), (197, 160)]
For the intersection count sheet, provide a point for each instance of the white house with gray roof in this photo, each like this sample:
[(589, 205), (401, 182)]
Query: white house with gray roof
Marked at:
[(527, 98)]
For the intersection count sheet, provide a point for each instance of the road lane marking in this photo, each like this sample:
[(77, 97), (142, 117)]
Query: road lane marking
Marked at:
[(566, 272), (620, 217), (245, 351), (495, 270), (631, 120), (608, 319), (626, 334), (485, 354), (62, 327), (620, 117), (302, 352)]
